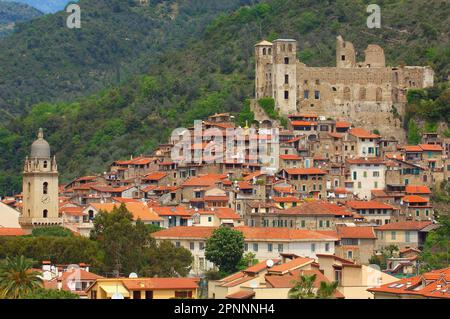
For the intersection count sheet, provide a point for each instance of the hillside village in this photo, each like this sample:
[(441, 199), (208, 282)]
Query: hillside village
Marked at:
[(339, 190)]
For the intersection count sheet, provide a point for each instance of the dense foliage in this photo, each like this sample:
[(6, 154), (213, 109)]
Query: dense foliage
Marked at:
[(56, 231), (17, 279), (11, 13), (41, 293), (196, 74), (436, 250), (225, 249), (118, 246)]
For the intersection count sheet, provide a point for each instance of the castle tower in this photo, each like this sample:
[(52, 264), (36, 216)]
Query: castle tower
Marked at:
[(284, 77), (40, 188), (345, 54), (264, 69), (374, 56)]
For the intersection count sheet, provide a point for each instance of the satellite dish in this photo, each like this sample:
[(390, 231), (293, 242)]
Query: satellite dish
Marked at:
[(117, 296), (133, 275), (269, 263)]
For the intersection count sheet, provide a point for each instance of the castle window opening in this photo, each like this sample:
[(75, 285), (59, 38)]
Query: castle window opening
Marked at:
[(343, 57), (286, 95), (306, 94), (286, 60), (264, 51), (45, 164), (317, 95), (45, 188), (45, 213), (334, 89), (286, 79)]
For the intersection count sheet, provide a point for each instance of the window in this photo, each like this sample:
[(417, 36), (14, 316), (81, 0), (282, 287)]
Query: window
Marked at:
[(359, 185), (269, 247), (393, 235), (355, 176), (246, 247), (177, 244), (407, 237), (264, 51), (45, 164), (327, 247), (349, 254), (148, 294), (209, 219), (255, 247), (45, 213), (202, 245), (137, 294), (45, 188), (313, 247), (375, 185), (303, 224), (286, 60), (417, 213), (317, 95), (286, 95), (192, 246), (342, 57), (328, 223), (306, 94), (320, 223), (365, 174), (427, 213), (286, 79), (280, 248), (376, 174)]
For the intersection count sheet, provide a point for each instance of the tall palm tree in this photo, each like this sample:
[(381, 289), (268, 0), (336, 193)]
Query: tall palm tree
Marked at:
[(17, 278), (327, 290), (303, 288)]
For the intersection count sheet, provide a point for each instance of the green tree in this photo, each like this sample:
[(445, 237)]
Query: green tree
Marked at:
[(17, 278), (41, 293), (436, 250), (247, 260), (327, 290), (122, 242), (303, 288), (54, 231), (225, 249), (166, 260), (414, 136)]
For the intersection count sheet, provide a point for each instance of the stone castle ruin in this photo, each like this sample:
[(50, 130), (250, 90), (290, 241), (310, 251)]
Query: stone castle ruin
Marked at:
[(369, 94)]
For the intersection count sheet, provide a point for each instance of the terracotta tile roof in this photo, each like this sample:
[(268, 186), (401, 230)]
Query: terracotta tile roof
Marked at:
[(295, 139), (255, 269), (250, 233), (379, 193), (245, 185), (336, 135), (356, 232), (408, 225), (241, 294), (287, 199), (7, 231), (416, 189), (172, 211), (291, 265), (285, 189), (216, 198), (72, 211), (413, 148), (434, 284), (414, 199), (80, 274), (431, 147), (155, 176), (362, 133), (226, 213), (371, 204), (205, 180), (139, 210), (290, 157), (341, 124), (250, 176), (305, 171), (320, 208), (155, 283), (303, 123), (365, 161), (125, 200)]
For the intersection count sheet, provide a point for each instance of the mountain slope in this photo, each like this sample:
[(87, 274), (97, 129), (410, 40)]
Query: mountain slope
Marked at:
[(46, 61), (12, 13), (213, 73), (46, 6)]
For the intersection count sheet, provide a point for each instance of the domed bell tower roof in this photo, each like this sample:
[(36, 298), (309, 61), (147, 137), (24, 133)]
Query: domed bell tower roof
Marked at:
[(40, 148)]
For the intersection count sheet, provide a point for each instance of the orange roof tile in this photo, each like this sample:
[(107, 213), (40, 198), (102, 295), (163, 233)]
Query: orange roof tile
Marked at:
[(8, 231), (291, 265), (363, 232), (139, 210), (417, 189), (303, 123), (408, 225), (414, 199), (290, 157), (431, 147), (362, 133), (155, 176), (341, 124), (305, 171), (371, 204)]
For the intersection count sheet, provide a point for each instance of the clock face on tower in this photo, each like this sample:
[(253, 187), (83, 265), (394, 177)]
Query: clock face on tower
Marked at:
[(45, 199)]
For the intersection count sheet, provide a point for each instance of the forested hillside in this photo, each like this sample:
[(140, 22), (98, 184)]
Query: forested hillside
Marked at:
[(12, 13), (211, 71), (46, 61)]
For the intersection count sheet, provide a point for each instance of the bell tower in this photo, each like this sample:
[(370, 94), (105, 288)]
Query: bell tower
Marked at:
[(40, 187)]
